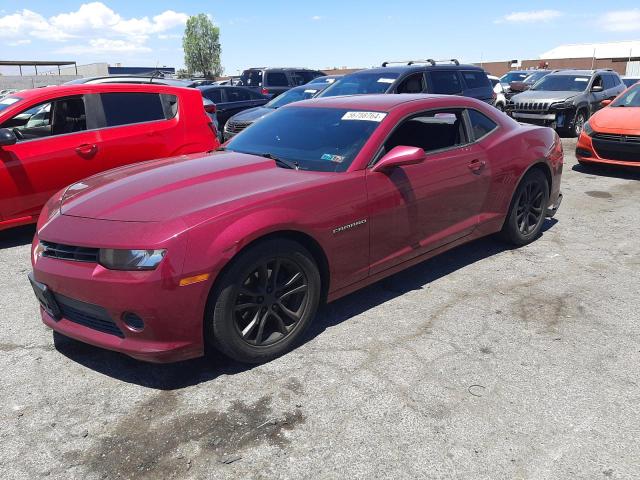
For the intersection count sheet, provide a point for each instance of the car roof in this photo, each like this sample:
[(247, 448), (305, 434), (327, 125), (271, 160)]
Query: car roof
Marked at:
[(417, 68), (281, 68), (87, 88), (222, 87), (383, 102), (587, 73), (132, 79)]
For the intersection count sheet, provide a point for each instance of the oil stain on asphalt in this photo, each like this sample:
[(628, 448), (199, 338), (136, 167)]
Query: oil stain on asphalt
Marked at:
[(154, 442)]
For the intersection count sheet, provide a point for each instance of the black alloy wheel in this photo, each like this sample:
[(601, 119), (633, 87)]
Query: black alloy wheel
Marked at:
[(270, 301), (263, 302), (528, 209)]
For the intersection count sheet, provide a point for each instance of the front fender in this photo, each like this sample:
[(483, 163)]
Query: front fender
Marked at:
[(215, 244)]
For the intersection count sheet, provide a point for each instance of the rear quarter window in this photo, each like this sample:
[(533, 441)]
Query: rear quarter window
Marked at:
[(276, 79), (446, 82), (475, 79), (124, 108), (481, 125)]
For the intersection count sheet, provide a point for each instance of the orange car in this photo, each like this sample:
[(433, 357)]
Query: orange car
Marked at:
[(612, 135)]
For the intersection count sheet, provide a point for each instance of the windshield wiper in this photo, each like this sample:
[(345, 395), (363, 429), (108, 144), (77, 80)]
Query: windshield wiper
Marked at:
[(282, 162)]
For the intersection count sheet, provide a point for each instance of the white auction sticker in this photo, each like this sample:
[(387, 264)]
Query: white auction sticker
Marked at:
[(311, 91), (581, 79), (370, 116), (386, 80)]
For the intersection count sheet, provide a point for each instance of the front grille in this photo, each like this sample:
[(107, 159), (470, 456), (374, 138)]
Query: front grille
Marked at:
[(69, 252), (88, 315), (633, 139), (530, 106), (236, 127)]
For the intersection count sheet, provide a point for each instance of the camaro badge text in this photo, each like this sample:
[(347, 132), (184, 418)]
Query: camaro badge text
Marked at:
[(351, 225)]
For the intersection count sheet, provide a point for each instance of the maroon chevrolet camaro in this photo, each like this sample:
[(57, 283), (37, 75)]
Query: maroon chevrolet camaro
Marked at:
[(236, 249)]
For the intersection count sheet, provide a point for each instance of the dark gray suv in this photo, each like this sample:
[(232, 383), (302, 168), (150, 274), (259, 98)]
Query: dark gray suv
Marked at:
[(274, 81), (565, 99), (417, 76)]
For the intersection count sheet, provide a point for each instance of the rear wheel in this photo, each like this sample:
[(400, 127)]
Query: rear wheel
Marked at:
[(264, 302), (527, 211)]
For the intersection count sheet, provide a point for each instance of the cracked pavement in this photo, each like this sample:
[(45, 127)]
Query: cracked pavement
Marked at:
[(484, 363)]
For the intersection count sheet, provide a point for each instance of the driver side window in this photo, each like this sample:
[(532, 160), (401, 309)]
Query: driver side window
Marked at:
[(58, 117), (431, 131), (597, 82)]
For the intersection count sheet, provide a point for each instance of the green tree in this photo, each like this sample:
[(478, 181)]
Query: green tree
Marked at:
[(201, 45)]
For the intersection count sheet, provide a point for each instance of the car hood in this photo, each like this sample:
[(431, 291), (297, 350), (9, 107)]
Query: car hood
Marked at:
[(252, 114), (177, 187), (617, 120), (543, 96)]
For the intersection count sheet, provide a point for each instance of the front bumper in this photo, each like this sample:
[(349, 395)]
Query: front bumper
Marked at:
[(554, 118), (94, 300), (587, 152)]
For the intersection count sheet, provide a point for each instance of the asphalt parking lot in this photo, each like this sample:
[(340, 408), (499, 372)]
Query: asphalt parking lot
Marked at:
[(483, 363)]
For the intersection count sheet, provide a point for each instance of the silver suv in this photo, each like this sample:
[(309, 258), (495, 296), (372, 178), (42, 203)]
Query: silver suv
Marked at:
[(564, 100)]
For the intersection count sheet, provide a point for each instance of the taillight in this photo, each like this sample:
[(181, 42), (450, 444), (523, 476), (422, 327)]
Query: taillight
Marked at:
[(211, 108), (264, 91)]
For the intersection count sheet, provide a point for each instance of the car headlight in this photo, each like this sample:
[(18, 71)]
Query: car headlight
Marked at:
[(561, 105), (130, 259), (586, 128)]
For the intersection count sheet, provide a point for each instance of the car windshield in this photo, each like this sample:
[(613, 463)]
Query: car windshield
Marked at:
[(293, 95), (361, 83), (534, 77), (513, 77), (562, 83), (6, 102), (251, 78), (319, 139), (630, 98)]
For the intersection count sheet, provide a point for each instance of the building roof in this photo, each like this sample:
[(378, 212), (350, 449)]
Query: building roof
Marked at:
[(602, 50)]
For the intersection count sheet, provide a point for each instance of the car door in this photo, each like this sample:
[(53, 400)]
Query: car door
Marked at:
[(135, 126), (54, 151), (417, 208)]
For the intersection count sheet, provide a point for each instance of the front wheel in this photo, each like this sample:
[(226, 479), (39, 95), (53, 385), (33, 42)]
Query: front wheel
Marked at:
[(578, 123), (527, 211), (264, 302)]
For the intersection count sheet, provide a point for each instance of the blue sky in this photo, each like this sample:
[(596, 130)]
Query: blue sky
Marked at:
[(314, 34)]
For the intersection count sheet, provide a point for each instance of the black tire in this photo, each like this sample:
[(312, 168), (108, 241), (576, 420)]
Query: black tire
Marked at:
[(578, 123), (527, 210), (252, 315)]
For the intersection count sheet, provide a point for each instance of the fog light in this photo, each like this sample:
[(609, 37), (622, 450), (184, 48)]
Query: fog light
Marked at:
[(133, 321)]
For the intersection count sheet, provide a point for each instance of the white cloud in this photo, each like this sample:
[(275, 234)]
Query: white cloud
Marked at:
[(315, 18), (622, 20), (104, 46), (533, 16), (92, 26), (17, 43)]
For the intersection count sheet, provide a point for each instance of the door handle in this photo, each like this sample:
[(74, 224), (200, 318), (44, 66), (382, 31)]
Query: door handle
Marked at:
[(476, 165), (86, 149)]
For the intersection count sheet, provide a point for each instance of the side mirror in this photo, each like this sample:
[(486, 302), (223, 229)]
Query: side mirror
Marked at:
[(597, 88), (398, 157), (606, 102), (7, 137)]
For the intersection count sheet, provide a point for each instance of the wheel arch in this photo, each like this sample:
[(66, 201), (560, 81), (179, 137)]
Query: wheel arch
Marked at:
[(540, 164), (305, 239)]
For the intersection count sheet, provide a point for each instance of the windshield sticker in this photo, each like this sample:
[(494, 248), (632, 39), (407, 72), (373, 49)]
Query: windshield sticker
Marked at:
[(370, 116), (330, 80), (581, 79), (310, 91), (9, 101), (332, 158), (386, 80)]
